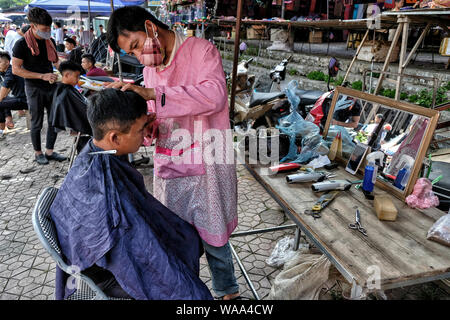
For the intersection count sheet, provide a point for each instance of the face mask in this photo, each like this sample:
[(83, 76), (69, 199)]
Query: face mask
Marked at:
[(44, 35), (151, 54)]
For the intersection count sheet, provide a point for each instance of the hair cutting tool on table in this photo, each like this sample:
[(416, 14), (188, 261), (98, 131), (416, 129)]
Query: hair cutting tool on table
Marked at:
[(357, 225), (308, 177), (320, 204)]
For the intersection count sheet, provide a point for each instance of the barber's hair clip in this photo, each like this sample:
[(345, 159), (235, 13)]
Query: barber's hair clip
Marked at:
[(103, 152)]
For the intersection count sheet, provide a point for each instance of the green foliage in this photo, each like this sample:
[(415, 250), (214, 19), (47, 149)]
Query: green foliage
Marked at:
[(293, 72), (338, 81), (357, 85), (316, 75), (390, 93), (5, 4), (251, 51), (413, 98)]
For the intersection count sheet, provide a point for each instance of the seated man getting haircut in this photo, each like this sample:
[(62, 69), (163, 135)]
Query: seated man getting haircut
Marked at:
[(69, 107), (88, 64), (110, 227)]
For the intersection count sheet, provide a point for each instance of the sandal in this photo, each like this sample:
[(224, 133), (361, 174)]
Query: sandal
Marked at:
[(10, 125)]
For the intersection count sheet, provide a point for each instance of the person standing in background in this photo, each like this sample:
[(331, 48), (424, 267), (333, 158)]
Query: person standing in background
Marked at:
[(59, 37), (33, 59)]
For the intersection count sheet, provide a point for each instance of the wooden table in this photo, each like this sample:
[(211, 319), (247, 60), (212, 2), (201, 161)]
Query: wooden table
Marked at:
[(398, 250)]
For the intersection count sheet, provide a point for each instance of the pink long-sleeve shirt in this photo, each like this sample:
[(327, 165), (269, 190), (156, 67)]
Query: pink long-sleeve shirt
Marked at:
[(192, 110)]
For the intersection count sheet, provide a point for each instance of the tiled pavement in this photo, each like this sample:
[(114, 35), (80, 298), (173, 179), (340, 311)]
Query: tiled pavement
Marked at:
[(28, 272)]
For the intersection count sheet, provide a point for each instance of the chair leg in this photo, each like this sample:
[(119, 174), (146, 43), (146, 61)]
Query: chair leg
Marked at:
[(74, 149)]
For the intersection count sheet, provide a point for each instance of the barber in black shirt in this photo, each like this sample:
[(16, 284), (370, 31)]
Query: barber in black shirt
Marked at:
[(33, 56), (12, 93), (348, 117)]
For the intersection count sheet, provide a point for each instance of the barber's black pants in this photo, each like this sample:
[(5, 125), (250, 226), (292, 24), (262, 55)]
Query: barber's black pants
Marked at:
[(10, 103), (40, 99)]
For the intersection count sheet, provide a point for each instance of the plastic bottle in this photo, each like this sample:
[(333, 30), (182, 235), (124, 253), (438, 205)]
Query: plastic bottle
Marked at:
[(370, 172), (403, 173), (405, 179)]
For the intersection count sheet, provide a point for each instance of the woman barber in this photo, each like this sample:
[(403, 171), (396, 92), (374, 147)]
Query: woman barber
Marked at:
[(185, 87)]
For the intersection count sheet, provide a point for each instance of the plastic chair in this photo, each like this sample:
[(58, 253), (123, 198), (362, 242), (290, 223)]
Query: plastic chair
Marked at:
[(45, 229)]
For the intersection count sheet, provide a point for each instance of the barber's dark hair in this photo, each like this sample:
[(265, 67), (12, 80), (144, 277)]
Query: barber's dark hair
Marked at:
[(69, 65), (39, 16), (58, 24), (128, 19), (25, 28), (380, 116), (112, 107), (90, 57), (70, 40), (5, 55)]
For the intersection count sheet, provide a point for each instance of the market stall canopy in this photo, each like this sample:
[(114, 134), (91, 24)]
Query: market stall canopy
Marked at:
[(3, 18), (75, 8)]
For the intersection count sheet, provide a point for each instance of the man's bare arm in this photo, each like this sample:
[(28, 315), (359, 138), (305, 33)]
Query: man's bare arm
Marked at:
[(19, 70), (4, 93)]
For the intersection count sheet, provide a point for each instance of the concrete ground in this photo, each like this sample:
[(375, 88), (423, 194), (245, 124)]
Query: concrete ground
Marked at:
[(28, 272)]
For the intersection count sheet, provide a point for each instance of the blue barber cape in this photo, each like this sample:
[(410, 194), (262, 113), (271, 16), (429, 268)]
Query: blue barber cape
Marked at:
[(104, 216)]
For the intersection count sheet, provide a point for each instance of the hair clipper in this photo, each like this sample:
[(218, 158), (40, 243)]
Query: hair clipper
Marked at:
[(306, 177), (331, 185)]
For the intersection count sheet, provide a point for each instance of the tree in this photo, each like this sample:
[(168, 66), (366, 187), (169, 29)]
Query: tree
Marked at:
[(5, 4)]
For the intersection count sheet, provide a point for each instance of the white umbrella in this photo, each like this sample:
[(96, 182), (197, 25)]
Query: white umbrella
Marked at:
[(4, 19)]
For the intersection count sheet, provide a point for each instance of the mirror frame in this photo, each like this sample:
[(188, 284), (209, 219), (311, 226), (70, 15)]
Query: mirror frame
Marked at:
[(432, 114)]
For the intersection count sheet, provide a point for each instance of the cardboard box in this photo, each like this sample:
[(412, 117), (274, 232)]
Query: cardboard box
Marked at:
[(378, 50), (444, 49), (256, 32), (233, 34), (279, 35), (315, 36), (190, 33)]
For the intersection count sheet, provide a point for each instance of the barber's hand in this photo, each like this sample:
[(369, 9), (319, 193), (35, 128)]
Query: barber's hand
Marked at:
[(152, 126), (146, 93), (151, 118), (50, 77)]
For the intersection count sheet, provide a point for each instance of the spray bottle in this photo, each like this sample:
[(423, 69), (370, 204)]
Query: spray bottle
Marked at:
[(371, 171), (402, 177)]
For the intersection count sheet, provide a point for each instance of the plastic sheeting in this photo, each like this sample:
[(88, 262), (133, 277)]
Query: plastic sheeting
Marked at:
[(293, 125)]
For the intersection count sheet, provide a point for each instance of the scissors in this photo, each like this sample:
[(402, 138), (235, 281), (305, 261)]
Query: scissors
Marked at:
[(357, 225)]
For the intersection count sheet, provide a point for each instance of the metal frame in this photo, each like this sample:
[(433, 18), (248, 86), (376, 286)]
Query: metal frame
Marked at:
[(434, 79)]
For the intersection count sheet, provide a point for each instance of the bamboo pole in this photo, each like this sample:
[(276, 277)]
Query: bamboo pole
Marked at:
[(117, 54), (235, 60), (356, 55)]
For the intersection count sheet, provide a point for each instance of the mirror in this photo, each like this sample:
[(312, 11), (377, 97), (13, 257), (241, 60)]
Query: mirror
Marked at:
[(397, 133)]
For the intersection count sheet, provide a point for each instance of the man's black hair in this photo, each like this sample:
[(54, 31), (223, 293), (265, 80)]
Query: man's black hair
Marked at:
[(89, 57), (114, 109), (39, 16), (70, 40), (58, 24), (100, 26), (25, 28), (128, 19), (5, 55), (69, 65)]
